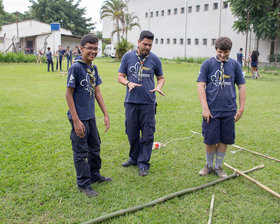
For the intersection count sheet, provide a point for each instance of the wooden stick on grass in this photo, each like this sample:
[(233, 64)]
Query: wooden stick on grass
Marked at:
[(165, 198), (241, 148), (253, 180), (211, 209)]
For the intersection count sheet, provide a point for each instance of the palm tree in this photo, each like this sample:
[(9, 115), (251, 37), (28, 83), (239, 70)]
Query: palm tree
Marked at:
[(129, 22), (115, 10)]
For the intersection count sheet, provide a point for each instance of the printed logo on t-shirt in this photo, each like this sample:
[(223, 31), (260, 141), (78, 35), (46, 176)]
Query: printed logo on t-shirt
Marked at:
[(71, 79), (86, 83), (217, 79), (136, 69)]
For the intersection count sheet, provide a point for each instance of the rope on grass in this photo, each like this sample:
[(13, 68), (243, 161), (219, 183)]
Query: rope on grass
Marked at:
[(163, 199), (241, 148), (178, 139)]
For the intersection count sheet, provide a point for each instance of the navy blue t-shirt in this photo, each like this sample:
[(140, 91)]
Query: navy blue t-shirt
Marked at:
[(84, 93), (130, 65), (239, 57), (49, 55), (60, 53), (221, 97)]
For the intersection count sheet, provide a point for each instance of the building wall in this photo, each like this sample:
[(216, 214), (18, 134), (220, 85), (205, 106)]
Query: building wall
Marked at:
[(204, 25)]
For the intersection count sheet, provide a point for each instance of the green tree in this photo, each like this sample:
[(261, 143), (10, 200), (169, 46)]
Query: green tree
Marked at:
[(15, 16), (65, 12), (130, 20), (114, 9), (262, 16), (2, 13)]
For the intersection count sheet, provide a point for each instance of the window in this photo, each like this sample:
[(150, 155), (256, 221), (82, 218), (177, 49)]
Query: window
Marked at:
[(225, 5), (181, 41), (215, 5), (162, 12), (182, 10), (213, 41), (175, 11), (204, 41), (168, 11), (161, 41), (156, 41), (146, 15), (206, 7), (189, 41), (174, 41), (196, 41), (168, 41), (197, 8), (152, 14), (190, 9), (156, 13)]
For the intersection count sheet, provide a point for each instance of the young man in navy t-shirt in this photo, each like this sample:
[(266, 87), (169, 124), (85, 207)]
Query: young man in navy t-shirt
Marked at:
[(240, 57), (82, 89), (49, 58), (136, 72), (216, 89)]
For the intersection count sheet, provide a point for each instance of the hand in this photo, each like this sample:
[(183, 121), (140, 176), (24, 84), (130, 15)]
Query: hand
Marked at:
[(107, 123), (206, 114), (132, 85), (238, 115), (157, 89), (79, 129)]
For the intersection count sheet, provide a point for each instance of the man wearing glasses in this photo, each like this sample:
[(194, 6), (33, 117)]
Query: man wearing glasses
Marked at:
[(82, 89)]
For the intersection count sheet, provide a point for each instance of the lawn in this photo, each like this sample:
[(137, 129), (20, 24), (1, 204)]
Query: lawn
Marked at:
[(37, 175)]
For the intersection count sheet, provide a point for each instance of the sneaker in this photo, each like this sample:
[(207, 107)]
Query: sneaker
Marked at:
[(88, 191), (220, 172), (102, 179), (205, 170), (143, 171), (128, 163)]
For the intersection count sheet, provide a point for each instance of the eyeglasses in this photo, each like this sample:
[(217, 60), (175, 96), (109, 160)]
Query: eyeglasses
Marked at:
[(92, 49)]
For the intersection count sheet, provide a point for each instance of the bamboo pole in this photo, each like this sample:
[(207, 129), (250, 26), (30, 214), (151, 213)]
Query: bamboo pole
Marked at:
[(253, 180), (211, 209), (163, 199), (257, 153), (241, 148)]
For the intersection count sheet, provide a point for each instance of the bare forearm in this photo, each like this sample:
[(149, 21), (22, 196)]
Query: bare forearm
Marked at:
[(122, 79), (100, 101), (71, 106), (160, 83), (242, 97), (202, 96)]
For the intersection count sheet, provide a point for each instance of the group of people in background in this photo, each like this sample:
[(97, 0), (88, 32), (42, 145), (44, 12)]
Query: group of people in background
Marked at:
[(60, 53), (254, 59)]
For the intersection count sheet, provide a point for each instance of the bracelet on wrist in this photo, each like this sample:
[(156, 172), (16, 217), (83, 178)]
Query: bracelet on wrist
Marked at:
[(127, 83)]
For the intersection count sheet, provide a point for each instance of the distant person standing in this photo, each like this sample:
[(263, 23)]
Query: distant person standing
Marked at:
[(137, 72), (60, 54), (254, 64), (69, 57), (77, 53), (240, 58), (49, 58)]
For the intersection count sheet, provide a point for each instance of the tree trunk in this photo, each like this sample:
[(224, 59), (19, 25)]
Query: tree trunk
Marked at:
[(272, 43)]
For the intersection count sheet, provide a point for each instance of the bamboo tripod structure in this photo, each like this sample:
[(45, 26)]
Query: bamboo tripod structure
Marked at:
[(253, 180), (241, 148), (165, 198)]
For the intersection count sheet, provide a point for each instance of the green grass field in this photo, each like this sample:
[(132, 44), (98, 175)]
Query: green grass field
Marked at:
[(37, 175)]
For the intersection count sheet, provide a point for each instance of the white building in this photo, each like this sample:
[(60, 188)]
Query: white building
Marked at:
[(188, 28), (35, 35)]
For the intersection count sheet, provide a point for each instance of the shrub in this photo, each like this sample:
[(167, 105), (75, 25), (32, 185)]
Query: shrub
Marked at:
[(19, 58), (123, 47)]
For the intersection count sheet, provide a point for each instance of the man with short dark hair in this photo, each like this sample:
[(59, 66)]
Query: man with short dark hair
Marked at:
[(136, 72), (82, 89)]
